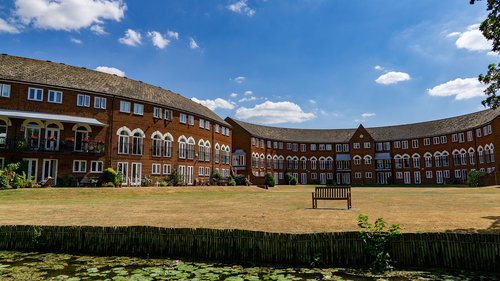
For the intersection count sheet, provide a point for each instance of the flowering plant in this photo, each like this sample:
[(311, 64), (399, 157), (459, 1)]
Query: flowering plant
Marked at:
[(87, 140), (34, 136), (70, 139), (100, 142), (51, 138)]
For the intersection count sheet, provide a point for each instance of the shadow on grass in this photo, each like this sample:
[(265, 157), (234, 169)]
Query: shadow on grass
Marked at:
[(494, 228)]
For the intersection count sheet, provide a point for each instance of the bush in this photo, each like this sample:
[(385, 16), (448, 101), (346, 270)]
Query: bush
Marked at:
[(175, 178), (474, 178), (146, 181), (269, 180), (289, 179), (8, 175), (107, 184), (231, 182), (376, 239), (216, 176), (110, 175), (68, 180)]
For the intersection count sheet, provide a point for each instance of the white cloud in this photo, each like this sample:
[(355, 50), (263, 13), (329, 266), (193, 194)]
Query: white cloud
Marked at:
[(247, 99), (368, 114), (239, 79), (75, 41), (462, 89), (248, 93), (392, 77), (192, 44), (98, 29), (233, 95), (68, 15), (214, 104), (312, 101), (110, 70), (378, 67), (131, 38), (158, 40), (472, 39), (241, 7), (270, 112), (7, 27), (493, 53), (173, 35)]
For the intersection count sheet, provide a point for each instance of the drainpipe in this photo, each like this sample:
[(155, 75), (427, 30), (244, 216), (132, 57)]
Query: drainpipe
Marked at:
[(110, 131)]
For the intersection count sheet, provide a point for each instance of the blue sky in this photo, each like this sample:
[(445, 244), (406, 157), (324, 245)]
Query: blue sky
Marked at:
[(310, 63)]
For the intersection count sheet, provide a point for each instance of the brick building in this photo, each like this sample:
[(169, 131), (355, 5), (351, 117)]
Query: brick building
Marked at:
[(63, 120), (434, 152)]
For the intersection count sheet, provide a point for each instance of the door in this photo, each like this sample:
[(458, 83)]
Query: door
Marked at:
[(439, 177), (381, 178), (122, 169), (181, 170), (346, 178), (407, 177), (80, 136), (50, 169), (416, 178), (136, 174), (32, 168), (303, 178), (52, 138), (322, 178), (189, 175)]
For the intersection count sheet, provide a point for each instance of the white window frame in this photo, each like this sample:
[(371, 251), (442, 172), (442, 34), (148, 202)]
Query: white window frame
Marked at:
[(427, 141), (167, 169), (182, 118), (36, 91), (207, 125), (83, 100), (190, 120), (138, 108), (4, 90), (96, 166), (81, 168), (367, 145), (156, 169), (55, 94), (125, 106), (100, 102), (202, 123), (167, 114), (157, 112), (356, 145)]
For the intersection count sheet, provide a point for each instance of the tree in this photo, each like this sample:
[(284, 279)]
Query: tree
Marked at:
[(490, 28)]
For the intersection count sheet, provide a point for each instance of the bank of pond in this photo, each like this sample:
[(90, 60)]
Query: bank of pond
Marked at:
[(16, 265)]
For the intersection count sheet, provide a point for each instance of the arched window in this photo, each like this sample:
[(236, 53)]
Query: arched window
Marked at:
[(167, 145), (322, 163), (207, 151), (368, 160), (329, 163), (81, 138), (217, 154), (190, 148), (276, 162), (398, 161), (303, 162), (255, 159), (480, 154), (445, 159), (313, 163), (269, 161), (456, 157), (32, 134), (416, 160), (261, 157), (123, 140), (3, 133), (357, 160), (182, 147), (463, 157), (157, 144), (52, 136), (492, 153), (428, 160), (201, 150), (280, 162), (289, 163), (226, 156), (472, 156), (437, 159), (406, 161), (295, 163), (137, 142)]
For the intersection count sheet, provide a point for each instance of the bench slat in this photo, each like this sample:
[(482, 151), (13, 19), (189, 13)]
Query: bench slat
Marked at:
[(331, 193)]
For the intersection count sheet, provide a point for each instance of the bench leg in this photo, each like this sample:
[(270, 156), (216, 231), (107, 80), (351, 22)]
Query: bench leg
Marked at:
[(349, 203)]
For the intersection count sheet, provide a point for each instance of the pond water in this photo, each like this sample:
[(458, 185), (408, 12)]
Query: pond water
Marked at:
[(47, 266)]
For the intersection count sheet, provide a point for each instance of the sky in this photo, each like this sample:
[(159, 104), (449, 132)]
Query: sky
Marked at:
[(288, 63)]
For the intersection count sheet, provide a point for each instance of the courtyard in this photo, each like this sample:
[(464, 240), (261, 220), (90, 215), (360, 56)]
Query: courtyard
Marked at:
[(280, 209)]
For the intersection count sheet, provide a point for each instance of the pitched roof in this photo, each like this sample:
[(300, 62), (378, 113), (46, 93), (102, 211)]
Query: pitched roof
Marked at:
[(78, 78), (387, 133)]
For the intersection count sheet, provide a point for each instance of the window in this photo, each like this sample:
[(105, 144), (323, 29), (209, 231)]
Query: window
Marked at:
[(416, 161), (123, 142), (2, 161), (281, 145), (490, 131), (191, 120), (404, 144), (329, 147), (4, 90), (155, 169), (207, 171), (79, 166), (356, 145), (83, 100), (125, 106), (262, 143), (207, 125), (202, 123), (182, 118), (167, 114), (427, 141), (217, 128), (100, 102), (321, 147), (428, 174), (313, 147), (182, 148), (444, 139), (303, 147), (167, 169), (399, 175), (368, 175), (269, 144), (387, 145), (55, 96), (428, 161), (295, 147), (156, 112), (167, 146), (470, 136), (137, 143), (379, 146), (157, 145), (478, 132), (138, 109), (201, 171), (96, 166), (367, 145), (397, 144), (357, 160), (461, 137), (454, 138), (414, 143), (346, 147), (436, 140), (35, 94), (357, 175), (288, 146), (368, 160)]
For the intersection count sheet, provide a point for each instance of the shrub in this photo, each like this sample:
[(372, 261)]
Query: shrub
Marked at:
[(269, 180), (163, 183), (231, 182), (107, 184), (474, 178), (68, 180), (109, 175), (146, 181), (175, 178), (216, 176), (8, 175), (289, 179), (376, 239), (240, 180)]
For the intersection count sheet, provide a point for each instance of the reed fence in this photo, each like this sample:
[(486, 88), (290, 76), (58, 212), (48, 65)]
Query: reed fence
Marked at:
[(447, 250)]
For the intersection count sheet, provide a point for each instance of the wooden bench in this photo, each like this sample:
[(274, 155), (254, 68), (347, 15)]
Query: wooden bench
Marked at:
[(331, 193)]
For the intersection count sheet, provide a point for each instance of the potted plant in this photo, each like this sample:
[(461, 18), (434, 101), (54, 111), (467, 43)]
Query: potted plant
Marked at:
[(100, 145), (69, 142), (86, 142), (52, 141)]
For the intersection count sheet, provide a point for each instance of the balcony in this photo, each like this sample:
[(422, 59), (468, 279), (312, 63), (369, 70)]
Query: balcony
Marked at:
[(49, 146)]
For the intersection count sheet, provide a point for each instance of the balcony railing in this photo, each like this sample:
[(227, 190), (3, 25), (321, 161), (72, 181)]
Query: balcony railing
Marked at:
[(48, 146)]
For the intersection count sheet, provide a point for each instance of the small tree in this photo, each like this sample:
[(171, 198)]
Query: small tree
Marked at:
[(289, 179), (110, 175), (269, 180), (376, 238), (474, 178)]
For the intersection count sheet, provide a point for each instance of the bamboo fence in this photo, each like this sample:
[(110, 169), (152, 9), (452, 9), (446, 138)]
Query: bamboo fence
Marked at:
[(446, 250)]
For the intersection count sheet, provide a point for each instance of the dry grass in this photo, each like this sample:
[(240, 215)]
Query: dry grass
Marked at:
[(282, 209)]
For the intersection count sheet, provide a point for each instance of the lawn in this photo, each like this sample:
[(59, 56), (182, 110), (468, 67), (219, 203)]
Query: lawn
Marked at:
[(281, 209)]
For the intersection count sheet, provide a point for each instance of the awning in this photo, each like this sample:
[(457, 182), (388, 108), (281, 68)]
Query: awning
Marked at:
[(343, 157), (383, 155), (50, 117)]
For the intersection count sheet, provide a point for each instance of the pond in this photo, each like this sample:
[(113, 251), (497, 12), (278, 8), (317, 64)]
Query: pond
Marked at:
[(47, 266)]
